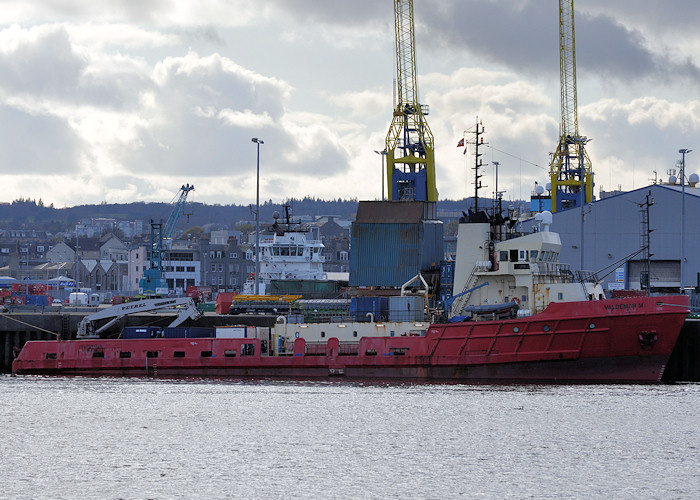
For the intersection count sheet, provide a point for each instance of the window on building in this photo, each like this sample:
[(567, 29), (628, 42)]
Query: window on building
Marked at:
[(234, 255), (213, 267), (221, 268), (190, 269), (218, 254)]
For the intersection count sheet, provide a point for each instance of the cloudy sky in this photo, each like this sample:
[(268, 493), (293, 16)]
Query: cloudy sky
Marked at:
[(126, 100)]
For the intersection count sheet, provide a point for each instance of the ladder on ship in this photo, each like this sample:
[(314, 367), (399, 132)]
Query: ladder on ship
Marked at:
[(463, 296)]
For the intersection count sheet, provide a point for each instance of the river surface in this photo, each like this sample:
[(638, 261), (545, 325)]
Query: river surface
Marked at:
[(137, 438)]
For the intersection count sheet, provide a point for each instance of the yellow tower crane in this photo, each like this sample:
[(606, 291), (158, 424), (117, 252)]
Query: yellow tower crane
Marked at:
[(571, 173), (410, 149)]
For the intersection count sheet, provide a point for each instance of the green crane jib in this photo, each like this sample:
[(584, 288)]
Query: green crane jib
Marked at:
[(571, 173), (410, 150), (153, 283)]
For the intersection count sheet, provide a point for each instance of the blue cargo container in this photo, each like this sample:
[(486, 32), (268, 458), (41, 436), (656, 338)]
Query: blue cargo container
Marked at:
[(180, 332), (141, 332), (377, 306), (407, 308), (188, 332), (37, 300)]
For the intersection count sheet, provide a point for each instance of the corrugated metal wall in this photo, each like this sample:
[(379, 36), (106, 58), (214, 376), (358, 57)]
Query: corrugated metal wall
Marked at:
[(384, 254)]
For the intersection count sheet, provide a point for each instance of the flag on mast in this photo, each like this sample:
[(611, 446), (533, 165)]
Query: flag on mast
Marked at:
[(460, 143)]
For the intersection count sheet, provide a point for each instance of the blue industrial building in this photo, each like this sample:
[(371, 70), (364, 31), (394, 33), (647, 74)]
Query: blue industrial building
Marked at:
[(614, 229)]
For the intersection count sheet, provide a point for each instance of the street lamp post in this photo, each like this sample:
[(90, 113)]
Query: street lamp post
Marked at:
[(383, 153), (26, 279), (257, 219), (683, 152), (77, 262)]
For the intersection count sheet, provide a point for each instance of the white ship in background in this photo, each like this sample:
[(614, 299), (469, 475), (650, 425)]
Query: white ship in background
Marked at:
[(292, 252)]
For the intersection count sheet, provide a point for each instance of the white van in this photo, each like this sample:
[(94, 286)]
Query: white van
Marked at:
[(78, 299)]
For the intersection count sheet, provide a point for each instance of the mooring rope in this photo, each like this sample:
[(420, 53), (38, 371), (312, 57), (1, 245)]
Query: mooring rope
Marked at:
[(58, 335)]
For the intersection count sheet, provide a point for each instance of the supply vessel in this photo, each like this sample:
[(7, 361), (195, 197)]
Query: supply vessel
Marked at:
[(521, 317)]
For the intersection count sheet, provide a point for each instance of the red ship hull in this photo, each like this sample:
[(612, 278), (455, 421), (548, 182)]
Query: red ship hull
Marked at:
[(608, 341)]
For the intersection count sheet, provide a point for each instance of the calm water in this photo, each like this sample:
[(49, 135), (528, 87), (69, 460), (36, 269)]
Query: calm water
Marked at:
[(133, 438)]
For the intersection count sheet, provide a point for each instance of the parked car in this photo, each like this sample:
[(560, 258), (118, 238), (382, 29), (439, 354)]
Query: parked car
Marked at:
[(57, 303)]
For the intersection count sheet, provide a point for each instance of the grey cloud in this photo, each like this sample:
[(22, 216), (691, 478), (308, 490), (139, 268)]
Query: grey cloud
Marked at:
[(338, 13), (207, 34), (36, 144), (524, 35), (526, 39), (195, 140), (48, 67)]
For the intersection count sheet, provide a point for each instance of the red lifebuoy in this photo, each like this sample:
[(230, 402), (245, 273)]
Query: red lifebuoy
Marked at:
[(516, 300)]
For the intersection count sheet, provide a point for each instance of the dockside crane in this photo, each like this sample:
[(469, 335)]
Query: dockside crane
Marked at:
[(153, 283), (571, 172), (410, 149)]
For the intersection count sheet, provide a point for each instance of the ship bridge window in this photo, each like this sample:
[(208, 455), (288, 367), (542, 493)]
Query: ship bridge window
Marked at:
[(533, 255), (503, 257), (522, 255), (513, 256)]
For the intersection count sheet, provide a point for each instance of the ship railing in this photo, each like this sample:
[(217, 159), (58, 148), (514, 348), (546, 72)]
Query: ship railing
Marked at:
[(552, 269), (586, 276)]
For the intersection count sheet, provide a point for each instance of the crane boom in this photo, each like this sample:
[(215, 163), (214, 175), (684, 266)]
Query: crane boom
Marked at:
[(410, 148), (153, 282), (176, 212), (571, 172), (184, 306)]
